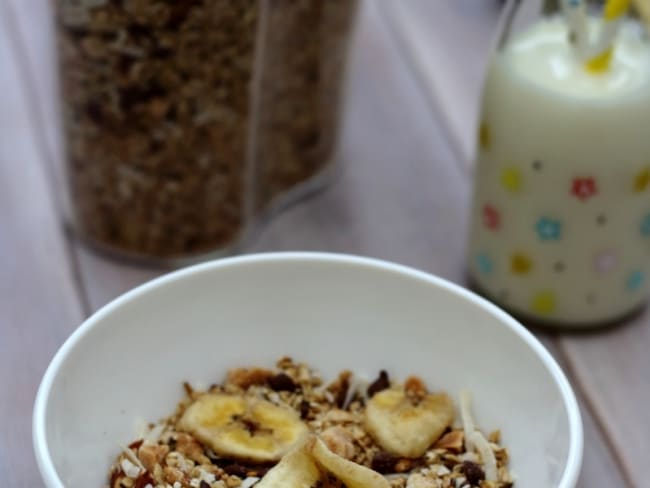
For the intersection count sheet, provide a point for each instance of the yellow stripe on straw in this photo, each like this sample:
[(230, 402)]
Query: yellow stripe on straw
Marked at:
[(600, 64), (614, 10)]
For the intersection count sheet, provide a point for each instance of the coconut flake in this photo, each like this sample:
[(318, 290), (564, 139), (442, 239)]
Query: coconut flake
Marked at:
[(130, 456), (248, 482), (154, 434), (130, 469), (466, 418), (487, 455), (352, 391), (440, 469)]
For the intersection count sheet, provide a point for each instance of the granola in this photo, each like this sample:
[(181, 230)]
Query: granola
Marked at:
[(259, 426), (183, 119)]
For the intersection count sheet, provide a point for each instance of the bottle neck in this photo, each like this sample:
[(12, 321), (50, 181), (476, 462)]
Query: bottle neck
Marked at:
[(520, 13)]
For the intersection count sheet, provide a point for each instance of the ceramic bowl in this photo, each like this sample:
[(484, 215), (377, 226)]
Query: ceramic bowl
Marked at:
[(126, 363)]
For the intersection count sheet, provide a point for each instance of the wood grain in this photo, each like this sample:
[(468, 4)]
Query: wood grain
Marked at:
[(612, 368), (447, 45), (600, 464), (403, 193), (39, 302)]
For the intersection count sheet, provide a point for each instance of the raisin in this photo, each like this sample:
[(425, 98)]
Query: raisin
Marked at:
[(143, 480), (473, 472), (344, 386), (115, 474), (379, 384), (94, 112), (282, 382), (138, 31), (179, 13), (204, 484), (304, 409), (136, 444), (235, 469), (383, 462)]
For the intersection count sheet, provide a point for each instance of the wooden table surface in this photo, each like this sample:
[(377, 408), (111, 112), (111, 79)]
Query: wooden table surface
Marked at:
[(407, 147)]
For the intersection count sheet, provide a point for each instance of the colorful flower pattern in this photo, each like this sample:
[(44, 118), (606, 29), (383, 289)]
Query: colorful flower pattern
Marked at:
[(520, 264), (584, 188), (642, 180), (484, 263), (549, 229), (491, 217), (645, 226), (635, 280), (511, 179), (544, 303), (605, 261)]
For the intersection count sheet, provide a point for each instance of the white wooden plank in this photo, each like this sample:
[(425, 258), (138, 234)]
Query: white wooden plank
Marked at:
[(447, 44), (39, 302), (600, 463), (613, 368)]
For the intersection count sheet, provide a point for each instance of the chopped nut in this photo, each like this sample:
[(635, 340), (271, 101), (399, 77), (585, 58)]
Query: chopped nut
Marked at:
[(418, 480), (339, 441), (495, 436), (187, 445), (337, 415), (152, 454), (173, 475), (452, 441), (415, 386), (404, 464)]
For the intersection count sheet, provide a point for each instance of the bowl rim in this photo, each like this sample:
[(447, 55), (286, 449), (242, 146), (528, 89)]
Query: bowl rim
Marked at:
[(44, 460)]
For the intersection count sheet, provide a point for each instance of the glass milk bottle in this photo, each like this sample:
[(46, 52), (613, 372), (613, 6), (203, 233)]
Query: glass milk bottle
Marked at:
[(561, 214)]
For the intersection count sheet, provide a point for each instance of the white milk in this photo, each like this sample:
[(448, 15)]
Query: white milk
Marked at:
[(561, 219)]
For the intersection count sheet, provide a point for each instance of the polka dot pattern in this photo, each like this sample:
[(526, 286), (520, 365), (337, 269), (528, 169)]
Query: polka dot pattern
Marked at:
[(538, 252)]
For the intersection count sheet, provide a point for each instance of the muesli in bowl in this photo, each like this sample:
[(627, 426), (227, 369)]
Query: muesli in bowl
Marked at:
[(268, 428)]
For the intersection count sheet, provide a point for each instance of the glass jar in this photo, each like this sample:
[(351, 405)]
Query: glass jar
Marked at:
[(561, 215), (188, 123)]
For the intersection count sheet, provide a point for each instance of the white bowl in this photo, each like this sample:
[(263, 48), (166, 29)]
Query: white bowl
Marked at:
[(126, 363)]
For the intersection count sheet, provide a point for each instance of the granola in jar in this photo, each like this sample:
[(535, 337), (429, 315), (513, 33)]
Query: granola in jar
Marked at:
[(287, 428), (186, 120)]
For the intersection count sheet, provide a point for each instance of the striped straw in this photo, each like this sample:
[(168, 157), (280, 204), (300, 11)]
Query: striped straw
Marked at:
[(601, 54), (576, 16)]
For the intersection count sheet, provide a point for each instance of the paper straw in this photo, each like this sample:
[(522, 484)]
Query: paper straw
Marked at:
[(576, 16), (600, 56)]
